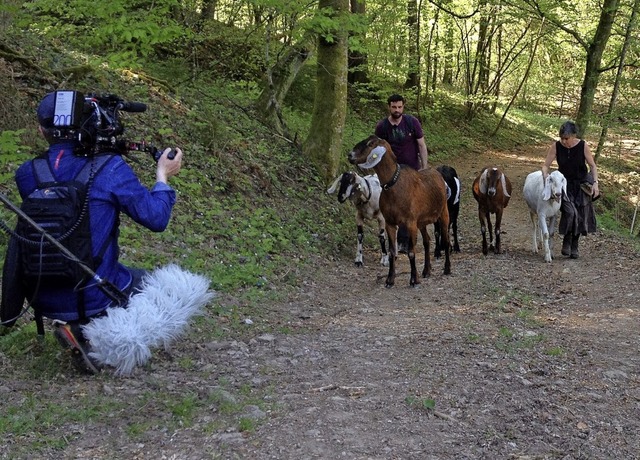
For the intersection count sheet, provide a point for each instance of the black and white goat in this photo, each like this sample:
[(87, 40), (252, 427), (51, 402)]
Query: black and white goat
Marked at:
[(453, 203), (544, 199), (364, 192)]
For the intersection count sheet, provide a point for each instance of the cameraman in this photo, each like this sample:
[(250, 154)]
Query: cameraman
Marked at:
[(114, 189)]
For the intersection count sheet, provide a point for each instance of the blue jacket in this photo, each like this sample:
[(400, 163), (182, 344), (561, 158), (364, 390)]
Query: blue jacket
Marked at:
[(115, 189)]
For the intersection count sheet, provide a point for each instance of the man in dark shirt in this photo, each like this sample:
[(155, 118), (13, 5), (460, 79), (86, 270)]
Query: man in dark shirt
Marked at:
[(404, 133)]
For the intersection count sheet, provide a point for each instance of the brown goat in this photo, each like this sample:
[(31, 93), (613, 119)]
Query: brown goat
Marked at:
[(411, 198), (492, 191)]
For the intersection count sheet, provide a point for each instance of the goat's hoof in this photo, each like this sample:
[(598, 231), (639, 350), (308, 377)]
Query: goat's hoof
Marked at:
[(359, 264), (388, 285)]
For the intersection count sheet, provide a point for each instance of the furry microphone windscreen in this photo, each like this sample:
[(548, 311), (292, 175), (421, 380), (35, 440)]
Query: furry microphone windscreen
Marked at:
[(154, 317)]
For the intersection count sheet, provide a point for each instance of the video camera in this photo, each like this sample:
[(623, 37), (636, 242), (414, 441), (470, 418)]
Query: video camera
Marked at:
[(94, 121)]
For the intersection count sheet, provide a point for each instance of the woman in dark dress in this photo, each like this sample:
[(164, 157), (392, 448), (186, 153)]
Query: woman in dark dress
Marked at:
[(573, 157)]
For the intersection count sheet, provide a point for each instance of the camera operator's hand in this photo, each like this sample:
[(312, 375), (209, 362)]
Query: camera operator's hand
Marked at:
[(168, 167)]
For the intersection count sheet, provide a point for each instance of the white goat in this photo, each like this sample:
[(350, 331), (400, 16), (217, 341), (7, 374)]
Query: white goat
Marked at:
[(544, 201), (364, 192)]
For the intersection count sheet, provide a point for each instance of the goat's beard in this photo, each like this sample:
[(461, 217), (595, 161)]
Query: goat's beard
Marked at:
[(154, 317)]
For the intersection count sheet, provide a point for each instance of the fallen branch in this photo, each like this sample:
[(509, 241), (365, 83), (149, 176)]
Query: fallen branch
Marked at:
[(353, 391)]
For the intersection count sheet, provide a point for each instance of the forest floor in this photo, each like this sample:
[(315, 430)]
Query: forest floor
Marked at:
[(508, 357)]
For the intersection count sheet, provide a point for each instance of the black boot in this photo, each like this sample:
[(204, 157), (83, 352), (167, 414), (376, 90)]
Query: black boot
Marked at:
[(566, 245), (574, 247)]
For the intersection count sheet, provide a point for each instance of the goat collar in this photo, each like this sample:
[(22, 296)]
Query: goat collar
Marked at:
[(394, 179), (369, 188)]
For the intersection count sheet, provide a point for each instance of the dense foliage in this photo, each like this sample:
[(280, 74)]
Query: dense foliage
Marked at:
[(250, 200)]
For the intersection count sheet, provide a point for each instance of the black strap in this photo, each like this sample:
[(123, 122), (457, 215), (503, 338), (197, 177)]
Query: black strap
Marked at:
[(44, 175)]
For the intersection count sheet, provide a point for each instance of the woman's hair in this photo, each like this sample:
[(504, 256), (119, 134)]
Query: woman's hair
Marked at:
[(568, 128)]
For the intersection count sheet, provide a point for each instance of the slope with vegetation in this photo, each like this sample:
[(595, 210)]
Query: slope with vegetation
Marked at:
[(252, 215)]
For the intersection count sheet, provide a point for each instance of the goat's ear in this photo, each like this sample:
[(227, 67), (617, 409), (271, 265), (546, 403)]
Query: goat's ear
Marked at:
[(334, 186), (374, 157), (503, 181), (483, 181), (546, 189)]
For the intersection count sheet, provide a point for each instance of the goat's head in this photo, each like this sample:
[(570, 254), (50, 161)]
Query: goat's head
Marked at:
[(489, 182), (554, 186), (348, 184), (369, 152)]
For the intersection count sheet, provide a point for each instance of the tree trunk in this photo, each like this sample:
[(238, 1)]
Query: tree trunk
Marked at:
[(616, 84), (478, 73), (432, 57), (447, 74), (524, 78), (498, 79), (357, 59), (592, 70), (413, 24), (209, 9), (277, 82), (323, 146)]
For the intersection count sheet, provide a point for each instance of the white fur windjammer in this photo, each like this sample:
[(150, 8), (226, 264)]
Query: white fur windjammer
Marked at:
[(154, 317)]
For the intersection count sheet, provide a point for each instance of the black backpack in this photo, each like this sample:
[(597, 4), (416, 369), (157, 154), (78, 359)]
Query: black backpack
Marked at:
[(62, 210)]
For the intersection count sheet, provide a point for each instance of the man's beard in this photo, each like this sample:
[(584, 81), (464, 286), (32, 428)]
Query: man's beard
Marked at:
[(396, 115)]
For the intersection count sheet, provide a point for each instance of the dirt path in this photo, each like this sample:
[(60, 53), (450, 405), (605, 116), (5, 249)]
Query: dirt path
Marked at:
[(506, 358), (509, 357)]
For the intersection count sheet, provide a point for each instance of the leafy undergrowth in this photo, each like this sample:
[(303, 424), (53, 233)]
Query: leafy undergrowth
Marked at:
[(252, 215)]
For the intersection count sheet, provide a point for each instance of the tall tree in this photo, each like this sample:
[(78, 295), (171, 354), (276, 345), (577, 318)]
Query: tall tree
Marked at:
[(357, 58), (278, 79), (594, 49), (616, 84), (532, 56), (413, 25), (324, 142)]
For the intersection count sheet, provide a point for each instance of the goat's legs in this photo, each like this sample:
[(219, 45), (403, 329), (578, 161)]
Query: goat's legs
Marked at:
[(454, 227), (483, 216), (426, 271), (393, 248), (359, 257), (542, 222), (446, 243), (437, 252), (534, 234), (552, 231), (384, 260), (498, 223), (413, 237)]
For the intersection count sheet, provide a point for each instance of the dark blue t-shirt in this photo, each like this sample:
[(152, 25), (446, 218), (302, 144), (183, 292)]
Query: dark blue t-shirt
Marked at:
[(403, 139)]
